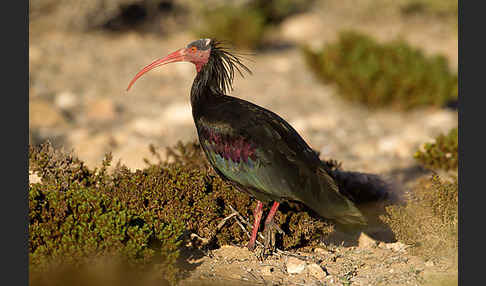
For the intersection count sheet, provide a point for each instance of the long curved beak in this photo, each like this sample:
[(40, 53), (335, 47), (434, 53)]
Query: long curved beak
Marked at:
[(176, 56)]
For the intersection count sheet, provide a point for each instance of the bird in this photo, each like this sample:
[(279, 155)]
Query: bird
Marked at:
[(253, 148)]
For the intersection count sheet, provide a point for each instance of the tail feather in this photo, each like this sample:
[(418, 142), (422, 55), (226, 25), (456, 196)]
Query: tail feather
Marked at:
[(371, 194), (330, 203), (361, 187)]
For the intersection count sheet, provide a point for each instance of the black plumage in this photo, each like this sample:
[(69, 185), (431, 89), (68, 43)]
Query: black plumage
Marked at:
[(253, 148)]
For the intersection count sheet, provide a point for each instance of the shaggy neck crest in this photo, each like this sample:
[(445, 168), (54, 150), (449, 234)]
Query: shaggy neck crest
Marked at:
[(217, 75)]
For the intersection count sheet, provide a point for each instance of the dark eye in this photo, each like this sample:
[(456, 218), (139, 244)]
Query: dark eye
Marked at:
[(193, 49)]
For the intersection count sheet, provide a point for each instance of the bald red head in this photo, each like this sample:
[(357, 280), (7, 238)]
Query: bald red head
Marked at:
[(197, 52)]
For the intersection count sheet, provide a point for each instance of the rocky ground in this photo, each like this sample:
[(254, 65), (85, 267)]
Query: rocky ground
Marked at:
[(369, 263), (78, 101)]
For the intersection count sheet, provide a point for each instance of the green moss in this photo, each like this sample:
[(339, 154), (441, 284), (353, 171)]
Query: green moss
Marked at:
[(382, 75), (441, 154), (429, 219)]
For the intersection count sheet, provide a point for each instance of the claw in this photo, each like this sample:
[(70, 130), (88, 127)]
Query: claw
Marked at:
[(269, 233), (270, 228)]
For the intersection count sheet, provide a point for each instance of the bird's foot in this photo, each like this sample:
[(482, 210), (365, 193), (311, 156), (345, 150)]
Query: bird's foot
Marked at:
[(269, 233), (251, 245)]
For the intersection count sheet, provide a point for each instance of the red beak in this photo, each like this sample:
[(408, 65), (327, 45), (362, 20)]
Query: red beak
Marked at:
[(176, 56)]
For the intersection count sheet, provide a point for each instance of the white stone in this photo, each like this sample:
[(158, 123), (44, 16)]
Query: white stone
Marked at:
[(366, 242), (33, 178), (321, 251), (66, 100), (397, 246), (429, 263), (295, 265)]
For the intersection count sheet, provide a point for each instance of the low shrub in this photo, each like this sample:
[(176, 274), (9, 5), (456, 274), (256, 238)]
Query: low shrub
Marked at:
[(142, 217), (434, 7), (244, 25), (382, 75), (275, 11), (441, 154), (77, 214), (429, 219)]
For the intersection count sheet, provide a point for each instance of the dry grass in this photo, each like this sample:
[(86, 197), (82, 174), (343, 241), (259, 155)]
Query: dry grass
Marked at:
[(429, 220)]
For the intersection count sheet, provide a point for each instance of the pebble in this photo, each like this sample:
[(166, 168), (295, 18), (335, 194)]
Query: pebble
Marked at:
[(321, 251), (66, 100), (316, 271), (396, 246), (429, 263), (33, 178), (366, 242), (295, 265)]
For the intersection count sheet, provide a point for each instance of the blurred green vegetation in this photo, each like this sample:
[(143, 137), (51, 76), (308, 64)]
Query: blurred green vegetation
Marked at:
[(383, 75), (244, 25), (275, 11), (437, 7), (442, 153)]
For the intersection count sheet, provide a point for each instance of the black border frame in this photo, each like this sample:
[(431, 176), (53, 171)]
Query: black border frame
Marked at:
[(15, 118)]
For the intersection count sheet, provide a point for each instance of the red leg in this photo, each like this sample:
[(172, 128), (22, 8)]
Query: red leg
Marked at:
[(258, 216), (271, 214)]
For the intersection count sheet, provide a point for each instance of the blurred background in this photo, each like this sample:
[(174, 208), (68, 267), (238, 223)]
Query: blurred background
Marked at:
[(364, 82)]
